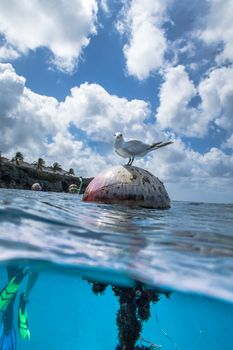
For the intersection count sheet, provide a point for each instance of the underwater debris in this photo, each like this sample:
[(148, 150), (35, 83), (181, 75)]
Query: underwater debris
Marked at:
[(152, 345), (134, 309), (165, 333)]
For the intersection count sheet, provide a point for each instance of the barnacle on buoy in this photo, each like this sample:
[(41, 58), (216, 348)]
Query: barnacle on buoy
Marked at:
[(127, 185)]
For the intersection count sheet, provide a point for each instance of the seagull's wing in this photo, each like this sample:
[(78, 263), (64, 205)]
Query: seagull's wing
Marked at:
[(134, 147)]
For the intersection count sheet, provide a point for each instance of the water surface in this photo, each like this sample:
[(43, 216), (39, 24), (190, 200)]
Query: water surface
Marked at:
[(186, 251), (188, 247)]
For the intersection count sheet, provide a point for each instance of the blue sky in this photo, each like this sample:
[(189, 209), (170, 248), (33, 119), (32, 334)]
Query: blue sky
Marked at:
[(72, 75)]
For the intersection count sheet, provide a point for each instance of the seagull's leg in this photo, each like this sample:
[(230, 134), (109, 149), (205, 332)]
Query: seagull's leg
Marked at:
[(129, 161), (132, 159)]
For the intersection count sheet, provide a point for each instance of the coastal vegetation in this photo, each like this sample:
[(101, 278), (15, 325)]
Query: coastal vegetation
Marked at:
[(19, 174), (56, 167), (71, 171), (18, 158), (40, 164)]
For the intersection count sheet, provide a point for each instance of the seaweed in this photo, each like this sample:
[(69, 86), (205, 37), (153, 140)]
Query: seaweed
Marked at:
[(134, 309), (97, 287)]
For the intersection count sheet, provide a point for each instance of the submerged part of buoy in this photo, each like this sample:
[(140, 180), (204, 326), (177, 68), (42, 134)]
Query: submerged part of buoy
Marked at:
[(36, 187), (127, 185)]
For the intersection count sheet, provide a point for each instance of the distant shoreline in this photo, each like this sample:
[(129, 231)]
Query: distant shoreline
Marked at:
[(24, 175)]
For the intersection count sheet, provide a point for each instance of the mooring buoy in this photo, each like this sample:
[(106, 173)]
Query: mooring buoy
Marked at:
[(127, 185)]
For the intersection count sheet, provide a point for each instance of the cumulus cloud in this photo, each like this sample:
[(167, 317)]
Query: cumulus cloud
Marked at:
[(219, 28), (63, 28), (190, 174), (8, 53), (215, 92), (74, 154), (228, 143), (175, 95), (100, 114), (142, 22), (26, 118), (12, 87), (105, 6)]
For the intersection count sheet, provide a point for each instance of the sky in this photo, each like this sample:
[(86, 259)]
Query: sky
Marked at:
[(74, 73)]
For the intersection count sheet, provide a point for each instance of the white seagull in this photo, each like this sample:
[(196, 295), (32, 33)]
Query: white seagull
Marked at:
[(134, 148)]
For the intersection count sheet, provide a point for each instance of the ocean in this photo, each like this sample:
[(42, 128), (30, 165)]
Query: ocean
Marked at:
[(111, 277)]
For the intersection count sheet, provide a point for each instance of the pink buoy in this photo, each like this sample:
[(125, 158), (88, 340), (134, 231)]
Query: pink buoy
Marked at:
[(127, 185)]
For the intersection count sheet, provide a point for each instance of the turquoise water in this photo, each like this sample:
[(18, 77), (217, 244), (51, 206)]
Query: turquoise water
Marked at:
[(186, 251)]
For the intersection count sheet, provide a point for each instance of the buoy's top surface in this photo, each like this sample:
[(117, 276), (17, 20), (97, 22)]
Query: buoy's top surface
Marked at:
[(122, 174)]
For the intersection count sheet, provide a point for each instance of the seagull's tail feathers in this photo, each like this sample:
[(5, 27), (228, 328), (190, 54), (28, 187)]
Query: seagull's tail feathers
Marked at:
[(159, 145)]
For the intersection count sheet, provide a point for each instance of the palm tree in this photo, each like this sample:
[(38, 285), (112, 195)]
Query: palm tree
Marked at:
[(19, 157), (56, 167), (71, 171), (40, 163)]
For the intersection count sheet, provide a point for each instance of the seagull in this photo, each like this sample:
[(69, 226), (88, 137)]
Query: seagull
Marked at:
[(134, 148)]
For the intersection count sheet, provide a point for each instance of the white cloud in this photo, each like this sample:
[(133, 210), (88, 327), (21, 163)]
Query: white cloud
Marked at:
[(219, 28), (215, 92), (228, 143), (174, 111), (104, 5), (26, 118), (142, 22), (190, 175), (8, 53), (183, 162), (64, 28), (74, 154), (12, 87), (92, 109), (217, 164)]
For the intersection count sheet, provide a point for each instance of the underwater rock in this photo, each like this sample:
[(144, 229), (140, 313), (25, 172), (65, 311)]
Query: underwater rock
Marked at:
[(127, 185)]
